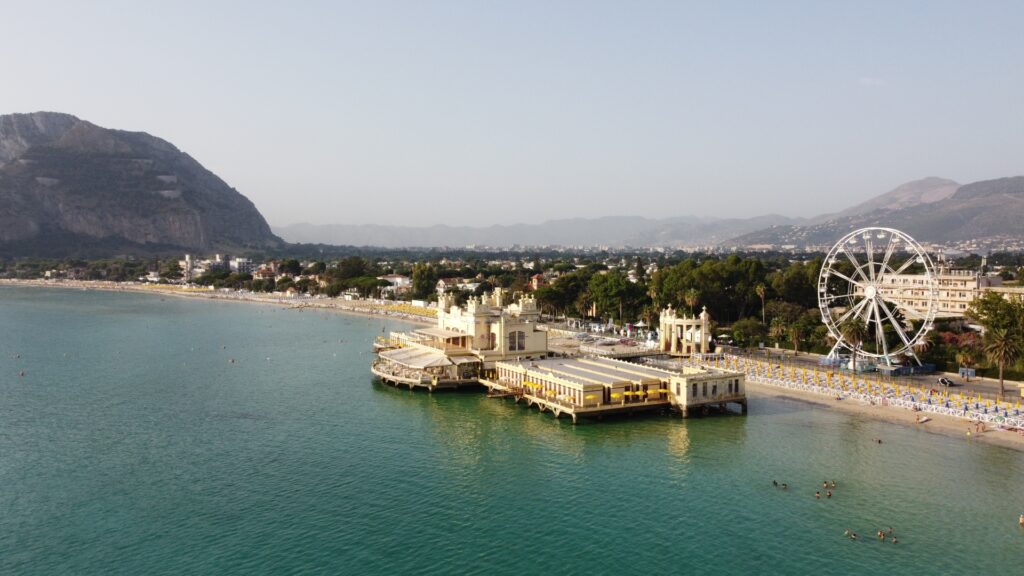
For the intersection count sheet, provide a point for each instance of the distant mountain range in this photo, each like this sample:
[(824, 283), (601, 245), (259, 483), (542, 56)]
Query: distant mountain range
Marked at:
[(608, 231), (71, 188), (931, 209)]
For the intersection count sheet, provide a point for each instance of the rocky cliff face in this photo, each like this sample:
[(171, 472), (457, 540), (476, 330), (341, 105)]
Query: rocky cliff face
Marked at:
[(68, 186)]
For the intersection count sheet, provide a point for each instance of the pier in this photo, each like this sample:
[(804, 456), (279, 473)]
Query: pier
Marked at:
[(499, 346)]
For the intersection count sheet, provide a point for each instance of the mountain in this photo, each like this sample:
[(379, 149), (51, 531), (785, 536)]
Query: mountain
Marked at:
[(915, 193), (617, 231), (924, 209), (69, 187)]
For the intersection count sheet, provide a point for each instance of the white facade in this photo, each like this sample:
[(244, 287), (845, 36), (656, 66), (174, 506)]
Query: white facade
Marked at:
[(495, 329)]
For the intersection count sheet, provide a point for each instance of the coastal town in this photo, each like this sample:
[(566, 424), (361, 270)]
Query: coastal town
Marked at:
[(580, 335)]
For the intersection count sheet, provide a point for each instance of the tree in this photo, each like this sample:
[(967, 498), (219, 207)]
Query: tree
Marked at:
[(759, 289), (691, 297), (796, 332), (854, 332), (992, 311), (1002, 348), (352, 267), (966, 359), (424, 280), (748, 331), (290, 266), (777, 330)]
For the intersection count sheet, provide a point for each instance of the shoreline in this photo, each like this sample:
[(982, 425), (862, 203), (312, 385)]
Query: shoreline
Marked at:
[(949, 426), (939, 424), (365, 309)]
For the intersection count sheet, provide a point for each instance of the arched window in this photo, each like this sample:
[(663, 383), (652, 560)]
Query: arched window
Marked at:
[(517, 341)]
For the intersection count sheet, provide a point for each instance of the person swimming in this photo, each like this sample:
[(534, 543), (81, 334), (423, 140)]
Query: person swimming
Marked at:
[(893, 539), (817, 495), (785, 486), (881, 535), (828, 494), (833, 483), (775, 483)]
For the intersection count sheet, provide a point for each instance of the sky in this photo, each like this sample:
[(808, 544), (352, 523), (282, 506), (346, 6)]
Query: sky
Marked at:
[(484, 112)]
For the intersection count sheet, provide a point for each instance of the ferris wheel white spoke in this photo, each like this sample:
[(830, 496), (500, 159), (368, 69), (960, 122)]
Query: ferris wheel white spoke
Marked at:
[(896, 325), (871, 255), (855, 310), (832, 297), (880, 331), (856, 267), (848, 279), (885, 259), (911, 260)]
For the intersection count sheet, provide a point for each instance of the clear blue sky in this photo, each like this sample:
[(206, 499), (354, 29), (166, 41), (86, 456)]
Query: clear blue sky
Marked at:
[(481, 112)]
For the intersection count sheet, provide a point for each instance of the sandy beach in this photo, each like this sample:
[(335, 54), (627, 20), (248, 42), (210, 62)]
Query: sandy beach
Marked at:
[(368, 308), (938, 423)]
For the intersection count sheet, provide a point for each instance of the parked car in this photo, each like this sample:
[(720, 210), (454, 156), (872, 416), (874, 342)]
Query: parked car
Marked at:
[(946, 382)]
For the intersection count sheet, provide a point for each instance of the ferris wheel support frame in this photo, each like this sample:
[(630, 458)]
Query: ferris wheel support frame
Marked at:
[(870, 299)]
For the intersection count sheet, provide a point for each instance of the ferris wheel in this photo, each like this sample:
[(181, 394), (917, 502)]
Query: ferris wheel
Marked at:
[(884, 279)]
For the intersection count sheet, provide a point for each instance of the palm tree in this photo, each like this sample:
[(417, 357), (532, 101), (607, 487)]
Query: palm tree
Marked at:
[(777, 330), (795, 334), (1002, 348), (691, 297), (761, 292), (966, 359), (854, 332), (583, 304)]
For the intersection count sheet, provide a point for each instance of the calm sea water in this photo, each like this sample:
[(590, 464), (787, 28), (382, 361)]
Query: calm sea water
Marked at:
[(133, 445)]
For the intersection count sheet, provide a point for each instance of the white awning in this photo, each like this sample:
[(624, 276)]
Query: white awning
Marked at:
[(440, 333), (416, 357)]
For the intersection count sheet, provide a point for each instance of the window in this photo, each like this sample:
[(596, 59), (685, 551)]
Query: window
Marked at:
[(694, 388), (714, 389), (517, 340), (677, 389), (704, 389)]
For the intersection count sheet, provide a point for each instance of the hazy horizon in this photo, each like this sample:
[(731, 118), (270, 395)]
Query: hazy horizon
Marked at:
[(462, 113)]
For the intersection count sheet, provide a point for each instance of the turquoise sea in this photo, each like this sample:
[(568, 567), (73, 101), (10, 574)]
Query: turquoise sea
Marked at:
[(133, 445)]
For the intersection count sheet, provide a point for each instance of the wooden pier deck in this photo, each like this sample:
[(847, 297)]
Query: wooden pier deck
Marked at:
[(575, 412), (429, 384)]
